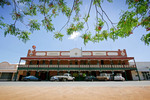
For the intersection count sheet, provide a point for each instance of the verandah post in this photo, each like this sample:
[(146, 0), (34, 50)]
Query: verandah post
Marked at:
[(137, 70)]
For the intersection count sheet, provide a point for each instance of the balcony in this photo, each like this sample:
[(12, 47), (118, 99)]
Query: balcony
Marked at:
[(77, 66)]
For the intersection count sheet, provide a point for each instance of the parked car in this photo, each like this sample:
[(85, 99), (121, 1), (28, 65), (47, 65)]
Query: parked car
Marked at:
[(54, 78), (119, 78), (103, 77), (65, 77), (90, 78), (30, 78)]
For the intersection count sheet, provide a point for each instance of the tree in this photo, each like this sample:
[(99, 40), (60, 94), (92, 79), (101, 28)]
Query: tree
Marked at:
[(138, 14)]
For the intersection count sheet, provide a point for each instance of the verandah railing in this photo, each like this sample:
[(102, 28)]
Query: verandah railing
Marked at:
[(78, 66)]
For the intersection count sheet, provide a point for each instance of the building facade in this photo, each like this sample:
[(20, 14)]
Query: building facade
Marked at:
[(143, 70), (7, 71), (45, 64)]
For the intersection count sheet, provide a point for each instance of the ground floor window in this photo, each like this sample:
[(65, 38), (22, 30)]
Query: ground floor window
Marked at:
[(6, 76), (146, 75)]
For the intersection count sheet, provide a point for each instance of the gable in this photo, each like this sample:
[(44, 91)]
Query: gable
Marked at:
[(75, 52)]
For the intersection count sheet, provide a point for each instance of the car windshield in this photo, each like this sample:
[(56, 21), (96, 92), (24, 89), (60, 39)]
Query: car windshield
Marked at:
[(31, 76), (66, 74)]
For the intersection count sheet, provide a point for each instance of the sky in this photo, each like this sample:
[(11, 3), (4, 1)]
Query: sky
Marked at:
[(11, 48)]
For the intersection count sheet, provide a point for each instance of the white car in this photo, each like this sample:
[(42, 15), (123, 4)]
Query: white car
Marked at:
[(65, 77), (119, 78)]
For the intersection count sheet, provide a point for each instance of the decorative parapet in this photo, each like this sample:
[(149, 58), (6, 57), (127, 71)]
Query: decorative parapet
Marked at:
[(6, 67), (76, 53)]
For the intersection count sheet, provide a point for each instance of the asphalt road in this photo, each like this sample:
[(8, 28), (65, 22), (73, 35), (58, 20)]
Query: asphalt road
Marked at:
[(91, 84)]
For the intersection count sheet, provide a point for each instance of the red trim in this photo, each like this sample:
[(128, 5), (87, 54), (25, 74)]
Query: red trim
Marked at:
[(106, 53), (91, 53), (45, 53), (83, 51), (60, 53), (41, 58)]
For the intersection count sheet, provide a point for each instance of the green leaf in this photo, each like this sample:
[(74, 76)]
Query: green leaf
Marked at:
[(34, 25), (86, 37), (146, 39), (24, 35), (47, 23), (58, 35)]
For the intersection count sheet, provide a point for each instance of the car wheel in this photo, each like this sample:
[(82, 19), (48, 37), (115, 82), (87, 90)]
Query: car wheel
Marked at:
[(28, 79), (64, 79)]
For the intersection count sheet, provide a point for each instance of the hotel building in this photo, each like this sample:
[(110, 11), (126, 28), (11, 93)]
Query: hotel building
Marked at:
[(45, 64)]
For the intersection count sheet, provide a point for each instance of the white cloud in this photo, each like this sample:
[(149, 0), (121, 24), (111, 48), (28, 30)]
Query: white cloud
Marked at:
[(74, 35)]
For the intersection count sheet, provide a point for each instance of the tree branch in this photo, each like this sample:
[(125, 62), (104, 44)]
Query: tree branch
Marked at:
[(88, 17), (15, 11), (44, 7), (69, 17), (106, 14), (102, 17), (89, 10)]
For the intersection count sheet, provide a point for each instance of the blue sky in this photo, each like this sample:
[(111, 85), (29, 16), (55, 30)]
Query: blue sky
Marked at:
[(11, 49)]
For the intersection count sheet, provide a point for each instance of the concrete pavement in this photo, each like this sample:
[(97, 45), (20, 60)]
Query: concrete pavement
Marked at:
[(74, 84)]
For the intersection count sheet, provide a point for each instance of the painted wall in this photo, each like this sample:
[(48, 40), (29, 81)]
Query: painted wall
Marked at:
[(135, 77), (76, 53), (6, 67), (141, 67), (7, 71)]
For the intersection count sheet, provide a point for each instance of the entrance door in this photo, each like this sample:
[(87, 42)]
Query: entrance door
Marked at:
[(129, 75), (43, 76)]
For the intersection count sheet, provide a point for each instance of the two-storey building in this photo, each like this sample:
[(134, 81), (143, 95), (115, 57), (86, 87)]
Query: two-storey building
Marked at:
[(45, 64)]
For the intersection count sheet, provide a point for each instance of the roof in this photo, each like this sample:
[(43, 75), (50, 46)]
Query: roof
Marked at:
[(142, 66)]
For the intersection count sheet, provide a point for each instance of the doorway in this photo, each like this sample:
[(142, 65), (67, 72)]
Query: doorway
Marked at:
[(43, 76)]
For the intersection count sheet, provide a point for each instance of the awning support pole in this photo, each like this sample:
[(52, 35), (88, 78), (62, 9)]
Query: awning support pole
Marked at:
[(137, 71)]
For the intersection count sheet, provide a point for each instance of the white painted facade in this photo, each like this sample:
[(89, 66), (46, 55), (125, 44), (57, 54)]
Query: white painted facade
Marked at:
[(143, 69), (6, 67), (75, 52), (7, 71), (53, 53)]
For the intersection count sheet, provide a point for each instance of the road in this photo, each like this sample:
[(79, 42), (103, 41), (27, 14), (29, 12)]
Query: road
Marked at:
[(74, 84)]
